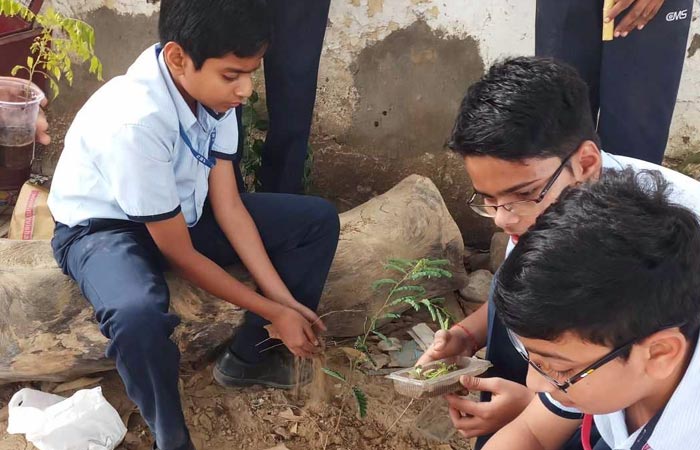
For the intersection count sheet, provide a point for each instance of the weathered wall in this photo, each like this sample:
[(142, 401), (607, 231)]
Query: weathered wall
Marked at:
[(391, 78)]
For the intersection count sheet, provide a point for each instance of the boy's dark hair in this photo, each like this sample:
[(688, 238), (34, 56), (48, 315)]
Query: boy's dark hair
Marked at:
[(214, 28), (611, 262), (526, 107)]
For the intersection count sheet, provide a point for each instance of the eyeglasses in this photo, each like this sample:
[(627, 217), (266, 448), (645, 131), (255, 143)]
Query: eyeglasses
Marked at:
[(478, 204), (563, 386)]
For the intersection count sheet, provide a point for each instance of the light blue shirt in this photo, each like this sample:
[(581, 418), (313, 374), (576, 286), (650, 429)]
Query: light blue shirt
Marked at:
[(124, 157), (685, 191)]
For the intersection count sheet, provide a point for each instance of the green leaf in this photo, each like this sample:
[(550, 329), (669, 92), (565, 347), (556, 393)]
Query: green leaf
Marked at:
[(382, 282), (262, 125), (438, 262), (402, 300), (381, 336), (430, 308), (250, 116), (413, 303), (30, 62), (254, 97), (406, 263), (334, 374), (361, 400), (419, 289), (443, 322), (396, 268), (392, 316)]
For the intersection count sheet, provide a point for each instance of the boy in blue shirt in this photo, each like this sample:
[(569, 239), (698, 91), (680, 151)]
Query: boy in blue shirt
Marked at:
[(146, 181), (600, 297)]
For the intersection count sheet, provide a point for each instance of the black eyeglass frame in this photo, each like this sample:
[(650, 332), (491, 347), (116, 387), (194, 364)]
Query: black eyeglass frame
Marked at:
[(509, 206), (563, 386)]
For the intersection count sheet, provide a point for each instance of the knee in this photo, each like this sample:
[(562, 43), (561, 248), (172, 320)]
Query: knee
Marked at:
[(326, 218), (139, 322)]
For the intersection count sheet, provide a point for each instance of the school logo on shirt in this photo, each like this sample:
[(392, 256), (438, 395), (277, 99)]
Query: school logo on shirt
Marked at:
[(677, 15)]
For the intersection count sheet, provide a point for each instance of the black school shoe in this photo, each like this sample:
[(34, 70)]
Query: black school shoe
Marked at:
[(276, 370)]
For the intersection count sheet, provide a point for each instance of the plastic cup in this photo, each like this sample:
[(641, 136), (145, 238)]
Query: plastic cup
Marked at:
[(19, 108)]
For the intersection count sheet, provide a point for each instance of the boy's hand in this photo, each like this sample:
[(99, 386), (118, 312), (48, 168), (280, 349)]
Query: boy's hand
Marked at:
[(638, 16), (446, 343), (296, 332), (316, 323), (508, 400)]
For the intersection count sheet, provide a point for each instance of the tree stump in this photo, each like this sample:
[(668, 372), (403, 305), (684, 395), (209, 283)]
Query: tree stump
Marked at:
[(48, 331)]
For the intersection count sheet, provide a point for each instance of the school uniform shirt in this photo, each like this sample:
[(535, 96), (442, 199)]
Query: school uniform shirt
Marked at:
[(126, 155), (685, 191), (675, 428)]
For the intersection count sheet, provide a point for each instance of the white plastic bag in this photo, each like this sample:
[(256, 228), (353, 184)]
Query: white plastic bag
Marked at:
[(85, 421)]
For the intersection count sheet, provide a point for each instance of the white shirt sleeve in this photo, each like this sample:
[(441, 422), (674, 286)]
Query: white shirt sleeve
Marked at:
[(138, 167)]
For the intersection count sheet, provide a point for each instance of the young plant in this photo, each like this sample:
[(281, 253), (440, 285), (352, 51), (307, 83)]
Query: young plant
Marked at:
[(421, 373), (61, 41), (404, 289)]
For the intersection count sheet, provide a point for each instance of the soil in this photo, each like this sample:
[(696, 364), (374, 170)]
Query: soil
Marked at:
[(260, 419)]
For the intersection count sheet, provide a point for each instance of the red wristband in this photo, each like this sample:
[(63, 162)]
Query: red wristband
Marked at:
[(470, 337)]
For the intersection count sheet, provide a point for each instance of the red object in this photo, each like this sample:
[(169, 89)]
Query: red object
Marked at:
[(470, 336), (586, 428)]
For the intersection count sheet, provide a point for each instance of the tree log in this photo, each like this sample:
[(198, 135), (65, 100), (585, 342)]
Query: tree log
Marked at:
[(48, 331)]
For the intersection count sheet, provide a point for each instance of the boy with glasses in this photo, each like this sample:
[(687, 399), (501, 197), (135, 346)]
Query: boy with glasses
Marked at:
[(600, 297), (526, 133)]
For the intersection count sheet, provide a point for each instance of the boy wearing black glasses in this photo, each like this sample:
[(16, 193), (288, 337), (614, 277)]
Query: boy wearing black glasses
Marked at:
[(526, 133), (600, 297)]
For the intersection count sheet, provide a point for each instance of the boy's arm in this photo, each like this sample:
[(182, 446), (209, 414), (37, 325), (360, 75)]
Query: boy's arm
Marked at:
[(238, 226), (173, 240), (537, 428)]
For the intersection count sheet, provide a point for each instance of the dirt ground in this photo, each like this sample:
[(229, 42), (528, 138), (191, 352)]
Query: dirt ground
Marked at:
[(261, 419)]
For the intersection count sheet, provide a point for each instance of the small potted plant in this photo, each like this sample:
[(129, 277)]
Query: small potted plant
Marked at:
[(61, 41)]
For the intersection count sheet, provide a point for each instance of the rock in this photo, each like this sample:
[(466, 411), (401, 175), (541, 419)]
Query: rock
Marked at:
[(476, 260), (477, 290), (409, 221), (499, 243), (391, 345)]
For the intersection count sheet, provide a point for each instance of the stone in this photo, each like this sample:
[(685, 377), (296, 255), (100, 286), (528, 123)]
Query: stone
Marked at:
[(499, 243), (478, 288)]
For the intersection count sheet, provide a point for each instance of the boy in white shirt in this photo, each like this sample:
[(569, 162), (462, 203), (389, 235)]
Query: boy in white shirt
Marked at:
[(600, 297), (525, 132), (146, 182)]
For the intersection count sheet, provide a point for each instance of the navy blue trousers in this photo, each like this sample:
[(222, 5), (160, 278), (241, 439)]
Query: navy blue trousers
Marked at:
[(291, 73), (120, 271), (633, 81)]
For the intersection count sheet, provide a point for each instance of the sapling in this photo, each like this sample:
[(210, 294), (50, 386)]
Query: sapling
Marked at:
[(421, 373), (404, 289), (61, 40)]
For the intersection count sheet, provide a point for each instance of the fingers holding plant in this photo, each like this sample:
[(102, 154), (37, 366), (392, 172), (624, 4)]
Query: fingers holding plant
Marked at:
[(447, 343)]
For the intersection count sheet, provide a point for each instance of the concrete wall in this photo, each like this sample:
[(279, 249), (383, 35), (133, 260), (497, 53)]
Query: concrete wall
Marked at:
[(391, 78)]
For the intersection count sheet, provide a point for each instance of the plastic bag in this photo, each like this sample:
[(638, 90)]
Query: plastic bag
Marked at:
[(85, 421)]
